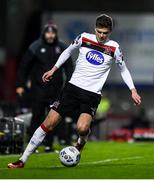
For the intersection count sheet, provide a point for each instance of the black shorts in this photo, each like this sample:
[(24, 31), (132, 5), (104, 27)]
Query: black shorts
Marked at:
[(73, 101)]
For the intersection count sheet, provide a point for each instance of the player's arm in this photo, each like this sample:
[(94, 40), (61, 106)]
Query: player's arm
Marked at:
[(126, 76), (68, 66), (66, 54)]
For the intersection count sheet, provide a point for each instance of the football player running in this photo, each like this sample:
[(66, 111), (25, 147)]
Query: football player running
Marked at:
[(83, 92)]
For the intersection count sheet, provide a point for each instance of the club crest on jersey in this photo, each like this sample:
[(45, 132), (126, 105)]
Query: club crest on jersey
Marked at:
[(95, 57), (108, 51), (43, 50)]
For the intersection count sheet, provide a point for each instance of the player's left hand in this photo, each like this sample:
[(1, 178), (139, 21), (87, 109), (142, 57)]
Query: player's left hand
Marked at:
[(136, 97)]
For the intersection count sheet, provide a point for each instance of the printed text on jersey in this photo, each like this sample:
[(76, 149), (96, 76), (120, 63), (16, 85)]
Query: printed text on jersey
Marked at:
[(95, 57)]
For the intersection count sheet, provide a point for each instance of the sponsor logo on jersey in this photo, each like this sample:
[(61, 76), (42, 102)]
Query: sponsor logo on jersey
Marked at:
[(95, 57)]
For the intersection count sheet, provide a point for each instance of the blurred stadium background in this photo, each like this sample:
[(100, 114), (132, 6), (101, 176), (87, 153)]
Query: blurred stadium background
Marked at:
[(20, 25)]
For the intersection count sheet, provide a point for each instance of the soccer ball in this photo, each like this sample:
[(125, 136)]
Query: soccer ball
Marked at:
[(69, 156)]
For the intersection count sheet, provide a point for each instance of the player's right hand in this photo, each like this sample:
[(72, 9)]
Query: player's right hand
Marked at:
[(47, 76), (20, 91)]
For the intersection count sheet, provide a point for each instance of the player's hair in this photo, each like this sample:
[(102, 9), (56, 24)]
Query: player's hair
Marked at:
[(104, 20)]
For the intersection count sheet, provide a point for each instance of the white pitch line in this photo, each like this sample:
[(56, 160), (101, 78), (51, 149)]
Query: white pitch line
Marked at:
[(95, 162), (110, 160), (103, 161), (10, 156)]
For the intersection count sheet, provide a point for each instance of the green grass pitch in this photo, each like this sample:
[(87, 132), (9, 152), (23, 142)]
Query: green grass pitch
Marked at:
[(104, 160)]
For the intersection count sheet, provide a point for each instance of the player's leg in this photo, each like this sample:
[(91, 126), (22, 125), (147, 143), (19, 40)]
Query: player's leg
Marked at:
[(49, 139), (38, 114), (88, 105), (83, 128), (49, 123)]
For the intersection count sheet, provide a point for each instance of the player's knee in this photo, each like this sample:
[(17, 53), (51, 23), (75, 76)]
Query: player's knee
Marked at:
[(51, 121)]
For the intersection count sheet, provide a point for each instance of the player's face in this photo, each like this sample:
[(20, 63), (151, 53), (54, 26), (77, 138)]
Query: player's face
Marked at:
[(102, 34), (50, 37)]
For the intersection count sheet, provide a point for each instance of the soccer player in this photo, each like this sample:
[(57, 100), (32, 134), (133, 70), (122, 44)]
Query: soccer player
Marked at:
[(83, 92)]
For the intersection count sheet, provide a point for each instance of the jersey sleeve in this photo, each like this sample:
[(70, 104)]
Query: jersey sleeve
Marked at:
[(68, 51), (118, 55), (77, 41), (125, 74)]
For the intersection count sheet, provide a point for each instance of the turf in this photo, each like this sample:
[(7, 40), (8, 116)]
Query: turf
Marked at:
[(103, 160)]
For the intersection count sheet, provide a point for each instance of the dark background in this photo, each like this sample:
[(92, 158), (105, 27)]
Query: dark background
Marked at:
[(20, 24)]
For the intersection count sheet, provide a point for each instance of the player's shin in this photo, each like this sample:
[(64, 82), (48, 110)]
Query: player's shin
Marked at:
[(35, 141), (83, 138)]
